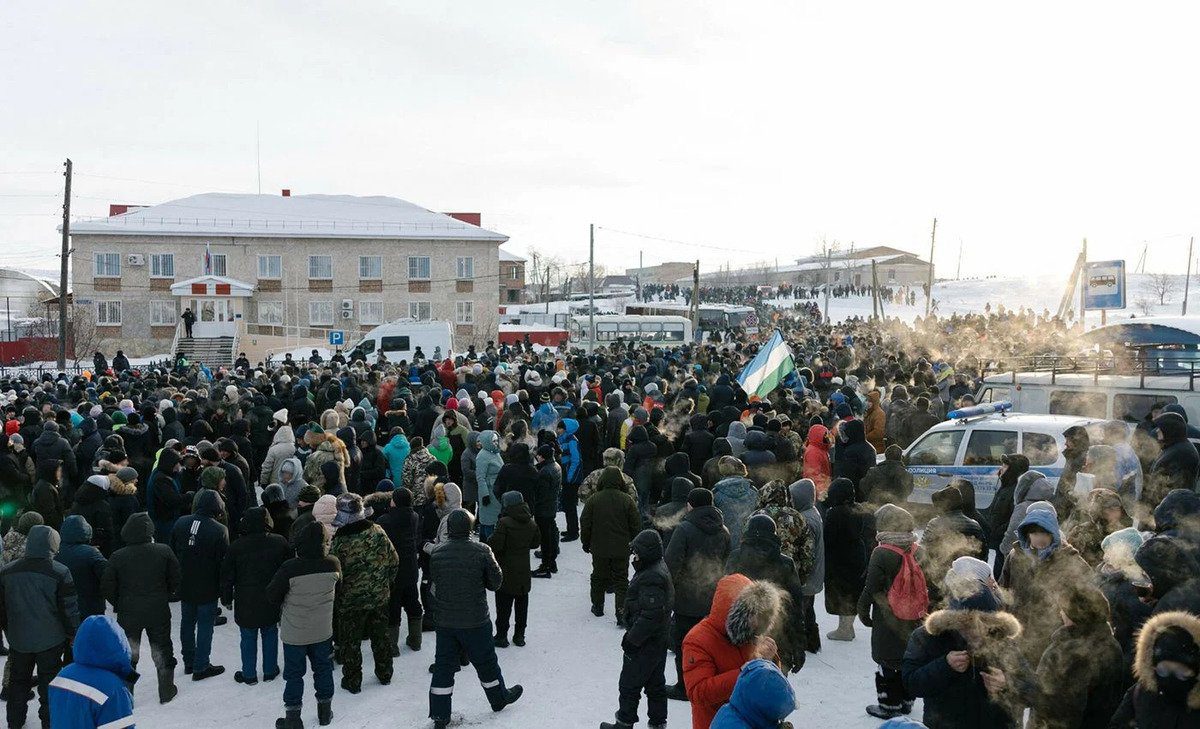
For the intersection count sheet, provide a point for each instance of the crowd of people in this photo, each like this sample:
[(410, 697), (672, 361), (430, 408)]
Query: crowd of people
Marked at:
[(324, 504)]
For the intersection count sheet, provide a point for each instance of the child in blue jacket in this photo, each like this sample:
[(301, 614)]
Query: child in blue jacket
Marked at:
[(762, 698), (92, 692)]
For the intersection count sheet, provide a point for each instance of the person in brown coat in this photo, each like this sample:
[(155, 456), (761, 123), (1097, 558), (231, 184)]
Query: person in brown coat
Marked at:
[(875, 421)]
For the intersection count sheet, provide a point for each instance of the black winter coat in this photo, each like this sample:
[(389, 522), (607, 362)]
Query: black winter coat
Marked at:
[(86, 563), (373, 468), (248, 567), (403, 527), (1080, 679), (91, 502), (200, 543), (696, 557), (647, 608), (889, 634), (698, 443), (853, 456), (849, 534), (49, 445), (1128, 613), (141, 577), (515, 536), (546, 490), (462, 573), (1176, 466), (759, 558), (956, 700), (518, 474), (888, 482)]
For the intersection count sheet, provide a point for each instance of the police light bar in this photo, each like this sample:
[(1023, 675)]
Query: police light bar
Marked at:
[(976, 411)]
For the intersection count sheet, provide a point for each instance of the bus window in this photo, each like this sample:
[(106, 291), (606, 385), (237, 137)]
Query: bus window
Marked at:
[(1040, 449), (1132, 408), (606, 332), (985, 447), (394, 344), (1082, 404), (673, 332), (936, 449), (630, 326)]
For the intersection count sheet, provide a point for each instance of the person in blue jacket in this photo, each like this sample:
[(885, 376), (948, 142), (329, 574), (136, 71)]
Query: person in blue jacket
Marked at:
[(762, 698), (93, 691), (568, 443), (396, 450)]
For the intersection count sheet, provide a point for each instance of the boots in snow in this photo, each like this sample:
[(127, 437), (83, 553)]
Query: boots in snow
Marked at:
[(324, 713), (616, 724), (677, 692), (239, 677), (879, 711), (845, 629), (414, 634), (394, 640), (501, 640), (291, 720), (166, 686), (518, 638), (544, 571), (598, 611), (514, 693)]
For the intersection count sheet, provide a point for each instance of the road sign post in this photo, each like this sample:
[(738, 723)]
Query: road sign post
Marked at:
[(1104, 285)]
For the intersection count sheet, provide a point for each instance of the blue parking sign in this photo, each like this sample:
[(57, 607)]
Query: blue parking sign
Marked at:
[(337, 338), (1104, 285)]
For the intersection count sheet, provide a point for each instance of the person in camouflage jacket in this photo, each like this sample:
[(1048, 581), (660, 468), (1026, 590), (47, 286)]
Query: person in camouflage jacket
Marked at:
[(413, 476), (795, 537), (614, 457), (369, 563)]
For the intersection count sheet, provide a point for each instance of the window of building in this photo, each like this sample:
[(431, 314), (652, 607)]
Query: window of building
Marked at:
[(370, 267), (513, 296), (162, 313), (465, 268), (162, 265), (419, 310), (891, 274), (108, 313), (370, 312), (107, 264), (418, 268), (218, 266), (270, 312), (464, 312), (320, 313), (270, 267), (939, 448), (513, 272), (320, 267), (985, 447)]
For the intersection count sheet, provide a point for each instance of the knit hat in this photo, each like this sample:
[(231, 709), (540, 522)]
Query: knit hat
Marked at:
[(211, 476), (385, 486), (100, 480), (127, 474), (349, 510), (309, 494), (731, 466), (698, 497), (325, 509), (546, 452), (892, 518), (968, 584), (280, 416), (511, 498), (1120, 546)]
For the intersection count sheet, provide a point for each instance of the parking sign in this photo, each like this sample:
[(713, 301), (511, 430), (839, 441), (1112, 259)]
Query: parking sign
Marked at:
[(337, 338), (1104, 285)]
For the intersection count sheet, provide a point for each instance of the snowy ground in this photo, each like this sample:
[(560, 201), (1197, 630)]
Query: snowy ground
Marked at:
[(569, 670)]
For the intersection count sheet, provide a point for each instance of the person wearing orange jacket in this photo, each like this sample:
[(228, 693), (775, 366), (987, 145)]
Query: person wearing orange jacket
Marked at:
[(876, 421)]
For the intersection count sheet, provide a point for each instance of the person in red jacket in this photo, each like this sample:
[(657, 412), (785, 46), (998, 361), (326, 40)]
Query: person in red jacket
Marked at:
[(816, 459), (716, 649)]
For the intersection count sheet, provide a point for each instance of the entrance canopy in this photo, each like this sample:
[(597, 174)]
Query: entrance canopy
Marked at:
[(212, 286)]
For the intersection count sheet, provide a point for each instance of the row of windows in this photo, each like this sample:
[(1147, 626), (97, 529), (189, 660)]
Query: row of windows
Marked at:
[(320, 313), (162, 265)]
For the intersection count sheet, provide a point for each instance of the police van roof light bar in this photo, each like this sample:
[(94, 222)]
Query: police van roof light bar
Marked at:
[(976, 411)]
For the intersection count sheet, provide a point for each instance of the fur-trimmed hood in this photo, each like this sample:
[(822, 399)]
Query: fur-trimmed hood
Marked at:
[(754, 613), (999, 625), (1143, 663)]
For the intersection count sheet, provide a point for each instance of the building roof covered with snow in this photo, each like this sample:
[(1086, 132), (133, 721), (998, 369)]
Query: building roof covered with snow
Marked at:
[(506, 255), (287, 216)]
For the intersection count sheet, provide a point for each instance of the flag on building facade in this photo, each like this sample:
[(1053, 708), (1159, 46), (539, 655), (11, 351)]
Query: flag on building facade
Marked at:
[(768, 368), (207, 259)]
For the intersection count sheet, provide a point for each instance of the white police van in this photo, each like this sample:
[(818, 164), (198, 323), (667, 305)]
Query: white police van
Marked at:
[(970, 444)]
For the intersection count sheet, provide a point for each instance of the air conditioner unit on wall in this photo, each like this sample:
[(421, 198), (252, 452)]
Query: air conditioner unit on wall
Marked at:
[(135, 259), (347, 304), (347, 313)]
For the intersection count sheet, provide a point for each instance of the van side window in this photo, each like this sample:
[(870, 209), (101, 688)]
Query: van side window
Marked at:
[(394, 344), (936, 449), (1132, 408), (995, 394), (1040, 449), (367, 346), (1082, 404), (985, 447)]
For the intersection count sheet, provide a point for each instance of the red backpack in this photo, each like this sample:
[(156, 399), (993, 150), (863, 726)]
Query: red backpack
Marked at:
[(908, 597)]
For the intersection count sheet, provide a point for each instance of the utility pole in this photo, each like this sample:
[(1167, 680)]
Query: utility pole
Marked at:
[(1082, 285), (65, 258), (958, 273), (929, 285), (695, 312), (639, 278), (591, 287), (874, 291), (1188, 279), (828, 277)]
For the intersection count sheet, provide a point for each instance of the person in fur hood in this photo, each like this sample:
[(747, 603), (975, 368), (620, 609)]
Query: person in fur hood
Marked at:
[(1167, 693), (964, 662)]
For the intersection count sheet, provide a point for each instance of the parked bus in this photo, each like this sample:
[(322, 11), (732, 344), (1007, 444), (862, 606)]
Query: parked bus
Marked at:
[(666, 331), (712, 316)]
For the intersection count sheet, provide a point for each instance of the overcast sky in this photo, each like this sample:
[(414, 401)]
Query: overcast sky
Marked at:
[(754, 129)]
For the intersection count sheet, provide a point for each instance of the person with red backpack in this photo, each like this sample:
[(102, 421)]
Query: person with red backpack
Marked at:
[(892, 604)]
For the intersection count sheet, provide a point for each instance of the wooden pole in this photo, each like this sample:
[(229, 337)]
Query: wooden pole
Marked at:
[(1188, 279), (62, 270), (929, 285)]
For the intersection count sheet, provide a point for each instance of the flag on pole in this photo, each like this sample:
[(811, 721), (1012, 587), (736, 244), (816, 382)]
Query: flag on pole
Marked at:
[(207, 259), (768, 368)]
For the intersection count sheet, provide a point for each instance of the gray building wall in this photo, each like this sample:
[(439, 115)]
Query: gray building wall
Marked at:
[(136, 289)]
